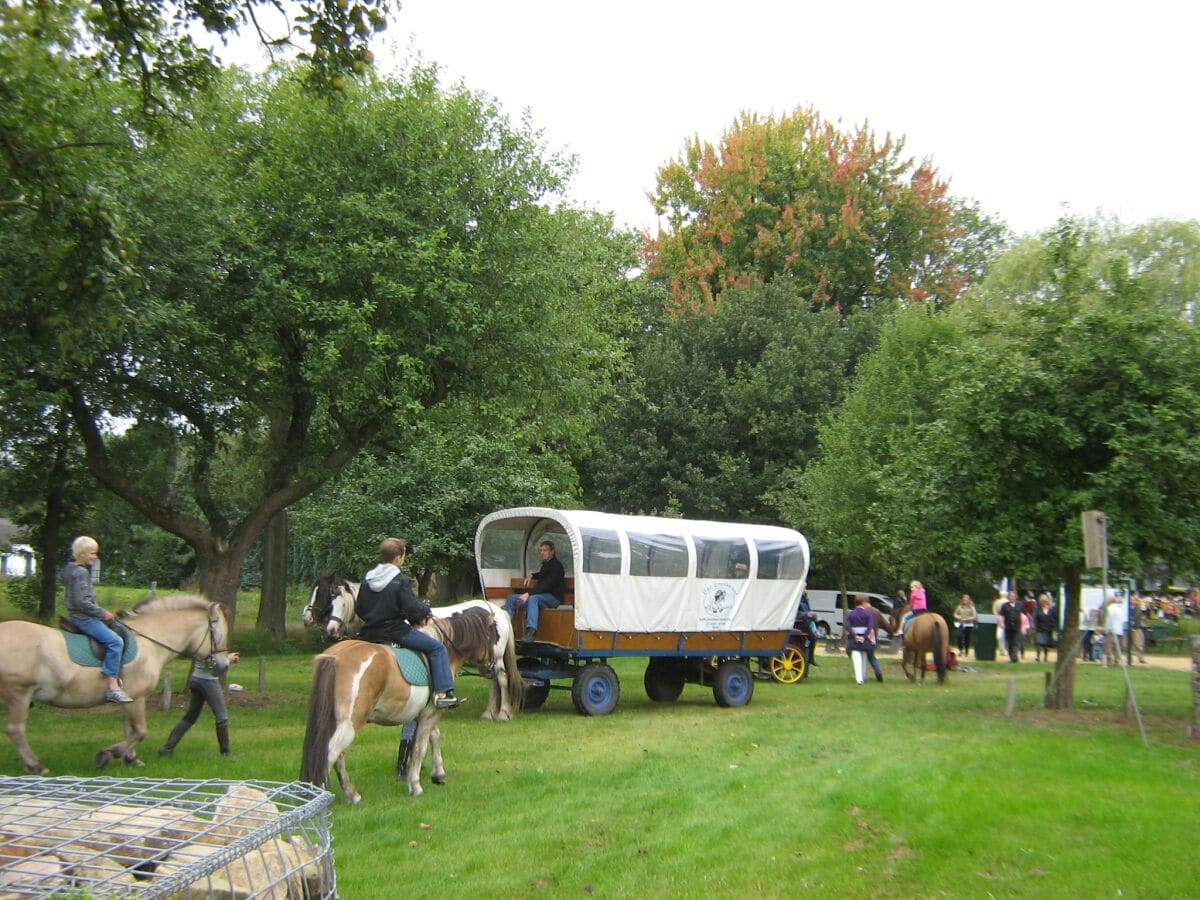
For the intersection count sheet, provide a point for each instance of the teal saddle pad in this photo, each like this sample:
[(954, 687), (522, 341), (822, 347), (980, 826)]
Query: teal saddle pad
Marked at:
[(412, 665), (80, 650)]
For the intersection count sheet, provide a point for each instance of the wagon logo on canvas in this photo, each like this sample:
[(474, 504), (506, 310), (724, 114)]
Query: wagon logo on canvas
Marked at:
[(716, 604)]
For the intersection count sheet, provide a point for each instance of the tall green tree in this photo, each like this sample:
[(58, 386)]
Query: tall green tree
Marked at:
[(1073, 387), (845, 217), (722, 405), (314, 276)]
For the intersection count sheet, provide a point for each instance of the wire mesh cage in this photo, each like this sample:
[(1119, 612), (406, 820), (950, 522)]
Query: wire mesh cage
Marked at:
[(145, 837)]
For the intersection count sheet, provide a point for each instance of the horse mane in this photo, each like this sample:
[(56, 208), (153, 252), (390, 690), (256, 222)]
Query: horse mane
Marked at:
[(169, 603), (470, 632)]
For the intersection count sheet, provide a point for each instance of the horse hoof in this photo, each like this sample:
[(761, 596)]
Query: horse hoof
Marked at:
[(134, 761), (101, 759), (39, 769), (439, 779), (414, 790)]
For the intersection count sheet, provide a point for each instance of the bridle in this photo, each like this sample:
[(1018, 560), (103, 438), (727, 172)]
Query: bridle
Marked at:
[(335, 591), (214, 615), (331, 594)]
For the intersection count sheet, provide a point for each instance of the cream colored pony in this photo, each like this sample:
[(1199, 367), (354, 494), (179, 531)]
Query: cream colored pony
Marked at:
[(34, 665)]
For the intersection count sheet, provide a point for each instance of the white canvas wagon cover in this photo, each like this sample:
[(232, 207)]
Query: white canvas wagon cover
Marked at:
[(648, 574)]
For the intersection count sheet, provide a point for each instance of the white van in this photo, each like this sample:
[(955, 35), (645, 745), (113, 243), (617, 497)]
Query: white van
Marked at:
[(828, 607)]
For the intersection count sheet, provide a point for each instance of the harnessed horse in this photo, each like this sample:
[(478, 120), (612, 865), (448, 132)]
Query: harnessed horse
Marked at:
[(926, 633), (35, 665), (356, 682), (331, 604)]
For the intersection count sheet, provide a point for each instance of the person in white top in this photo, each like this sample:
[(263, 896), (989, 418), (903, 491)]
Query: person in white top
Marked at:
[(1115, 620)]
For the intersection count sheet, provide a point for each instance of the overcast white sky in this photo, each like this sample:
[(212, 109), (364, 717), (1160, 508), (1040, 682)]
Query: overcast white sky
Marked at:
[(1029, 108)]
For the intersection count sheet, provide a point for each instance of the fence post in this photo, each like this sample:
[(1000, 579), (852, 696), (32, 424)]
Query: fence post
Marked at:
[(262, 673), (1011, 707), (165, 702)]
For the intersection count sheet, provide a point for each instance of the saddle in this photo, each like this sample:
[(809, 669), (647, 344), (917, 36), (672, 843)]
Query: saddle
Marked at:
[(413, 666), (87, 651)]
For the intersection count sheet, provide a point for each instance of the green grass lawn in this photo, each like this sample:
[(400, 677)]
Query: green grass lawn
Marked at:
[(883, 790)]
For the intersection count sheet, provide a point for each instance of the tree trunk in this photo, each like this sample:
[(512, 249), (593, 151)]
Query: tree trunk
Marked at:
[(272, 607), (1061, 694), (220, 573)]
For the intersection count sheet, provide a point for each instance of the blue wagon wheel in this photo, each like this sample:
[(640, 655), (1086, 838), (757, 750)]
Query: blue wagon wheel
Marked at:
[(733, 684), (663, 680), (535, 694), (595, 690)]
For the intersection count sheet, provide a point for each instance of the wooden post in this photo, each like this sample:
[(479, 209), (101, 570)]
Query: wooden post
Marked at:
[(262, 673), (1012, 697), (1194, 730), (165, 702)]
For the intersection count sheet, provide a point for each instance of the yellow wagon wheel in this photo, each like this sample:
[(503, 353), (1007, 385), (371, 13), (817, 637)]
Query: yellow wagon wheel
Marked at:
[(790, 666)]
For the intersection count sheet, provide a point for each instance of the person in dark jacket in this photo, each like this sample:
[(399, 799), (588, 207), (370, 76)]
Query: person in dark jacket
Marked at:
[(1010, 615), (544, 589), (806, 621), (87, 615), (389, 609), (1045, 622)]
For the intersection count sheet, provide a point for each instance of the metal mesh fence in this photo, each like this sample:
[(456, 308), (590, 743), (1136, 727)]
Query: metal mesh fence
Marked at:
[(144, 837)]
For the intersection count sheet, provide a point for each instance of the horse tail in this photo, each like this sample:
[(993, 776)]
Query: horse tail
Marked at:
[(939, 649), (322, 720), (516, 684)]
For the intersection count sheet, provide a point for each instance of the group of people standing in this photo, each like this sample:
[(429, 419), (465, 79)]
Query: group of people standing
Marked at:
[(1017, 617)]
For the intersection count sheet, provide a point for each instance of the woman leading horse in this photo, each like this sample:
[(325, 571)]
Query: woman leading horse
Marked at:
[(35, 665), (356, 682)]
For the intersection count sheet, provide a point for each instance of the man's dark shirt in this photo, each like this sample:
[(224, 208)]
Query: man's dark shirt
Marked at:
[(550, 579), (1011, 613), (386, 614)]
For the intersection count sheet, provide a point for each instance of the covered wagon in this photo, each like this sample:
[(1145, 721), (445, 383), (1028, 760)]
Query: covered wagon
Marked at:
[(701, 600)]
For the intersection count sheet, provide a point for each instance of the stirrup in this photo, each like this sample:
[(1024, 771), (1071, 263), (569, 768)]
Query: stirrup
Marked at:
[(447, 702)]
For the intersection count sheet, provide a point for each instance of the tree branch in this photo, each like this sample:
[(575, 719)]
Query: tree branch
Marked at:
[(100, 465)]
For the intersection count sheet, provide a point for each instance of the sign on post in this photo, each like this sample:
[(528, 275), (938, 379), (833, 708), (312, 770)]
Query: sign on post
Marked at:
[(1095, 539)]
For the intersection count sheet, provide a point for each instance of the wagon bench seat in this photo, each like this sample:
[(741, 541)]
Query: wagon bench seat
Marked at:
[(517, 586)]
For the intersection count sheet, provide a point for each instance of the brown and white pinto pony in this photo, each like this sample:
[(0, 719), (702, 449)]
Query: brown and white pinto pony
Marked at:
[(926, 633), (356, 682), (331, 605), (35, 665)]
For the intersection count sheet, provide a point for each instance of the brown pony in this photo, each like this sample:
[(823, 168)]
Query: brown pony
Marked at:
[(356, 682), (926, 633), (35, 665)]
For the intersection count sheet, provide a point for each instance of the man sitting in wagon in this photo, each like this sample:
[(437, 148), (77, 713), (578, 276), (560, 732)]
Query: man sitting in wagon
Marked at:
[(545, 588)]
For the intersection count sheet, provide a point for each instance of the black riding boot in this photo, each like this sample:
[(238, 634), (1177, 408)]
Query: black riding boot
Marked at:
[(223, 737), (168, 749), (404, 757)]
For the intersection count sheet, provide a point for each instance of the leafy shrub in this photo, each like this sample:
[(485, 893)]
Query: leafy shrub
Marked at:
[(25, 594)]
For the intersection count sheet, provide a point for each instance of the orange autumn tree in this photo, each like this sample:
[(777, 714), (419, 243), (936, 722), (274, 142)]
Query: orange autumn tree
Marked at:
[(846, 217)]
